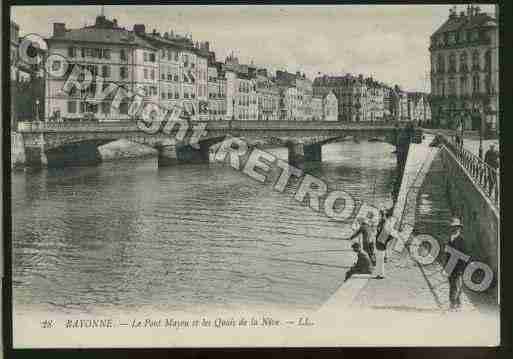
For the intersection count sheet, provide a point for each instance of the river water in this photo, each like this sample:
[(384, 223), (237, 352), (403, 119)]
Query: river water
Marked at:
[(127, 234)]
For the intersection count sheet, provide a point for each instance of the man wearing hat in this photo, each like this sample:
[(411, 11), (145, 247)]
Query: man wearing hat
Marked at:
[(492, 160), (456, 276), (363, 263)]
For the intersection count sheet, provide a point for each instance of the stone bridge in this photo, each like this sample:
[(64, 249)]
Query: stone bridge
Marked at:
[(47, 142)]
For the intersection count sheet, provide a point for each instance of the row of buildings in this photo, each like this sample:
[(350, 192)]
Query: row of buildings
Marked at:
[(465, 69), (364, 99), (173, 70)]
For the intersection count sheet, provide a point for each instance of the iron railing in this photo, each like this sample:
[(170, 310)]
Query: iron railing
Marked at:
[(484, 175)]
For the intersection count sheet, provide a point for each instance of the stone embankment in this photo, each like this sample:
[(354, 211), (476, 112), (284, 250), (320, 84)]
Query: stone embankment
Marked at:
[(408, 286)]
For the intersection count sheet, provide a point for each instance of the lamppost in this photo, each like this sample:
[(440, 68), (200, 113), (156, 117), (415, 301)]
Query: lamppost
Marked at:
[(482, 124), (37, 109)]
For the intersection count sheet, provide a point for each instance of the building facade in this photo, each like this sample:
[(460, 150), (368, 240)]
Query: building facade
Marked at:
[(168, 70), (268, 97), (216, 92), (296, 93), (317, 108), (465, 70), (359, 98), (419, 109), (330, 107), (19, 70)]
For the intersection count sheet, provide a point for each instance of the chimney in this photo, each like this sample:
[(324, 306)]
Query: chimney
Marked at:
[(207, 46), (139, 28), (154, 32), (59, 28), (115, 21), (166, 35)]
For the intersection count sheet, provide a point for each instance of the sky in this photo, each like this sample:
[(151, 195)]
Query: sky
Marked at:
[(388, 42)]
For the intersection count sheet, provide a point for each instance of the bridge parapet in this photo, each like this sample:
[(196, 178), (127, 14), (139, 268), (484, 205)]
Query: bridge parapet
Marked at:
[(131, 126), (84, 126), (484, 177)]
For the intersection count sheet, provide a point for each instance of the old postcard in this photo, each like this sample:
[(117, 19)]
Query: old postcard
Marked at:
[(205, 176)]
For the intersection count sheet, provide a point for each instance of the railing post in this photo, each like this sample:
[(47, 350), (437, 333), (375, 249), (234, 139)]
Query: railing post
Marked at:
[(497, 186)]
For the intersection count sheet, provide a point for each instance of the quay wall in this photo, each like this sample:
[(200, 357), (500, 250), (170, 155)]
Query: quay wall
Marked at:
[(479, 216)]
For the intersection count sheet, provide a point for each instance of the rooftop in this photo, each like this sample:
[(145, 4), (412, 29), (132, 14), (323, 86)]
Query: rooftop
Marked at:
[(472, 19)]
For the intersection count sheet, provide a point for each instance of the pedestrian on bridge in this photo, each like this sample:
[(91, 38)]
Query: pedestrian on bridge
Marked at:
[(492, 160)]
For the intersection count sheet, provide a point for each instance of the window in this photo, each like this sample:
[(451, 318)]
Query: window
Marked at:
[(105, 108), (152, 57), (475, 60), (152, 74), (175, 77), (82, 107), (169, 55), (145, 73), (72, 107), (93, 69), (463, 62), (123, 72), (71, 51), (122, 55), (452, 62), (83, 52), (123, 107), (106, 53), (475, 84), (452, 86), (441, 63), (56, 65), (105, 71), (488, 85), (488, 60), (145, 56)]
